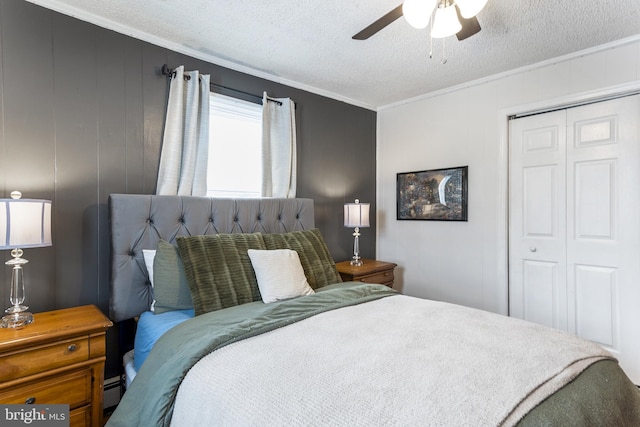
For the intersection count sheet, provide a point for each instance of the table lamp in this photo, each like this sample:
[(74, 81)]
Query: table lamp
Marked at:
[(24, 223), (356, 215)]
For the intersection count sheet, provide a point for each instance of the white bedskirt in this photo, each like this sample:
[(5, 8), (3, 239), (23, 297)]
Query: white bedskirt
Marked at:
[(129, 369)]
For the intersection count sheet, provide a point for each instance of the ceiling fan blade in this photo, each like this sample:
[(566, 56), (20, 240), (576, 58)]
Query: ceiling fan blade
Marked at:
[(379, 24), (469, 26)]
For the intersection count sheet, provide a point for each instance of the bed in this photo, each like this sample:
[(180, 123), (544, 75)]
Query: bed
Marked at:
[(261, 331)]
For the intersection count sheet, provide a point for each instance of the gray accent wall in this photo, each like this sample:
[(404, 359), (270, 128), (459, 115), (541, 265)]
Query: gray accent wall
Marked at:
[(81, 116)]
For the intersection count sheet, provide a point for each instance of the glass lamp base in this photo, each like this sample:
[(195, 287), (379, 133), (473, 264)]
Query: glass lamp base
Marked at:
[(356, 262), (16, 320)]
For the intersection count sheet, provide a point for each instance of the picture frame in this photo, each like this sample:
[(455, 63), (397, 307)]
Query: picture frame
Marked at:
[(432, 195)]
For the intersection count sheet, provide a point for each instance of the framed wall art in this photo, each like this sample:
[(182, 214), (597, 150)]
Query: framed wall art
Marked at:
[(436, 194)]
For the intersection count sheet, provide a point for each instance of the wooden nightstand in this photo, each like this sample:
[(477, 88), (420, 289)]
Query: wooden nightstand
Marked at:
[(59, 358), (370, 271)]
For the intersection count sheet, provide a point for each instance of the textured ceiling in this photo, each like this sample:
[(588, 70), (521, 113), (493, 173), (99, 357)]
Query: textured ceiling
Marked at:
[(307, 43)]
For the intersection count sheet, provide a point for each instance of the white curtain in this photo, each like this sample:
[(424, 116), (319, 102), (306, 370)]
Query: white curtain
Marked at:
[(185, 144), (278, 147)]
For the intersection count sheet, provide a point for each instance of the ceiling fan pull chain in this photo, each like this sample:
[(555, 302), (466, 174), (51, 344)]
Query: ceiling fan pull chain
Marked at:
[(430, 47), (430, 37), (444, 55)]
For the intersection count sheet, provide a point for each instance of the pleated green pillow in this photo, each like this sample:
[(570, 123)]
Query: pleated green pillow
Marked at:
[(219, 271), (170, 289), (317, 262)]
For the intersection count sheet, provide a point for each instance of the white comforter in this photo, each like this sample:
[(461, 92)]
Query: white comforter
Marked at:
[(394, 361)]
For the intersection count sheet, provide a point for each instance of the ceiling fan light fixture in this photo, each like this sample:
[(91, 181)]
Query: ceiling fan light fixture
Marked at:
[(418, 12), (445, 22), (470, 8)]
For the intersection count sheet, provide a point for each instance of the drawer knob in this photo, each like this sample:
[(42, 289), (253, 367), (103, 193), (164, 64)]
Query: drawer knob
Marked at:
[(72, 347), (30, 401)]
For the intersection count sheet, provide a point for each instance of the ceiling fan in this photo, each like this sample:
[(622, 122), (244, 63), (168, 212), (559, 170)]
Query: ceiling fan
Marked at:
[(447, 17)]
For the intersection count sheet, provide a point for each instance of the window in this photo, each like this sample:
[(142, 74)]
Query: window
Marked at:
[(235, 148)]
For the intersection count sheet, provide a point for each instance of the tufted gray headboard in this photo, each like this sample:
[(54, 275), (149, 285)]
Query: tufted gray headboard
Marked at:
[(140, 221)]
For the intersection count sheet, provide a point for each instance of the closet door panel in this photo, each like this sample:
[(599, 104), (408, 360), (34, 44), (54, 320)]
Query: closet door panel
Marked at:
[(574, 233), (603, 241), (537, 217)]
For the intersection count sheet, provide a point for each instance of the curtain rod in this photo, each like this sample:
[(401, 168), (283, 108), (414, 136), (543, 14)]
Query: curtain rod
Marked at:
[(255, 98)]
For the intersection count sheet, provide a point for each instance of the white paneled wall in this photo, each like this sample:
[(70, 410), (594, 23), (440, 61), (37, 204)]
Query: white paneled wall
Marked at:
[(464, 263)]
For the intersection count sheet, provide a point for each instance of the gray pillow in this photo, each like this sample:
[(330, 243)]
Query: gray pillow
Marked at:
[(317, 262), (170, 287), (219, 271)]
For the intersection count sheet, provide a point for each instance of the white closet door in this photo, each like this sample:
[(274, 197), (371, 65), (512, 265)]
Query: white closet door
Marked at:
[(537, 223), (574, 232)]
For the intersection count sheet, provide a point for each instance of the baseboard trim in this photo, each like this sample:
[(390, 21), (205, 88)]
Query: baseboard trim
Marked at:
[(112, 392)]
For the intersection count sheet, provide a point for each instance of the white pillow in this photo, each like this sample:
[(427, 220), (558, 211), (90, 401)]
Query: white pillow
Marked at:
[(149, 255), (279, 273)]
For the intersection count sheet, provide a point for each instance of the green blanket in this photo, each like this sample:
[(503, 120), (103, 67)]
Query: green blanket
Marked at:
[(149, 400), (601, 396)]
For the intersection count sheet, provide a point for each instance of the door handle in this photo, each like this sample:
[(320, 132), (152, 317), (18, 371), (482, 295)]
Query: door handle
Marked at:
[(533, 248)]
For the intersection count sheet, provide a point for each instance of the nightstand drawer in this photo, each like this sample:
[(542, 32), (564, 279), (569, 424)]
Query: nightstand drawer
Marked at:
[(371, 271), (80, 417), (382, 277), (38, 359), (73, 388)]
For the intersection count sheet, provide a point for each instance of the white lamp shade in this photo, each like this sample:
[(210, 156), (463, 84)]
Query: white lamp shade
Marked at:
[(445, 22), (418, 12), (470, 8), (356, 215), (25, 223)]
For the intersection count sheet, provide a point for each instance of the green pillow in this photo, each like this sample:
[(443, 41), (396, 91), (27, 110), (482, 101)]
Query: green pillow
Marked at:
[(170, 287), (317, 262), (219, 271)]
